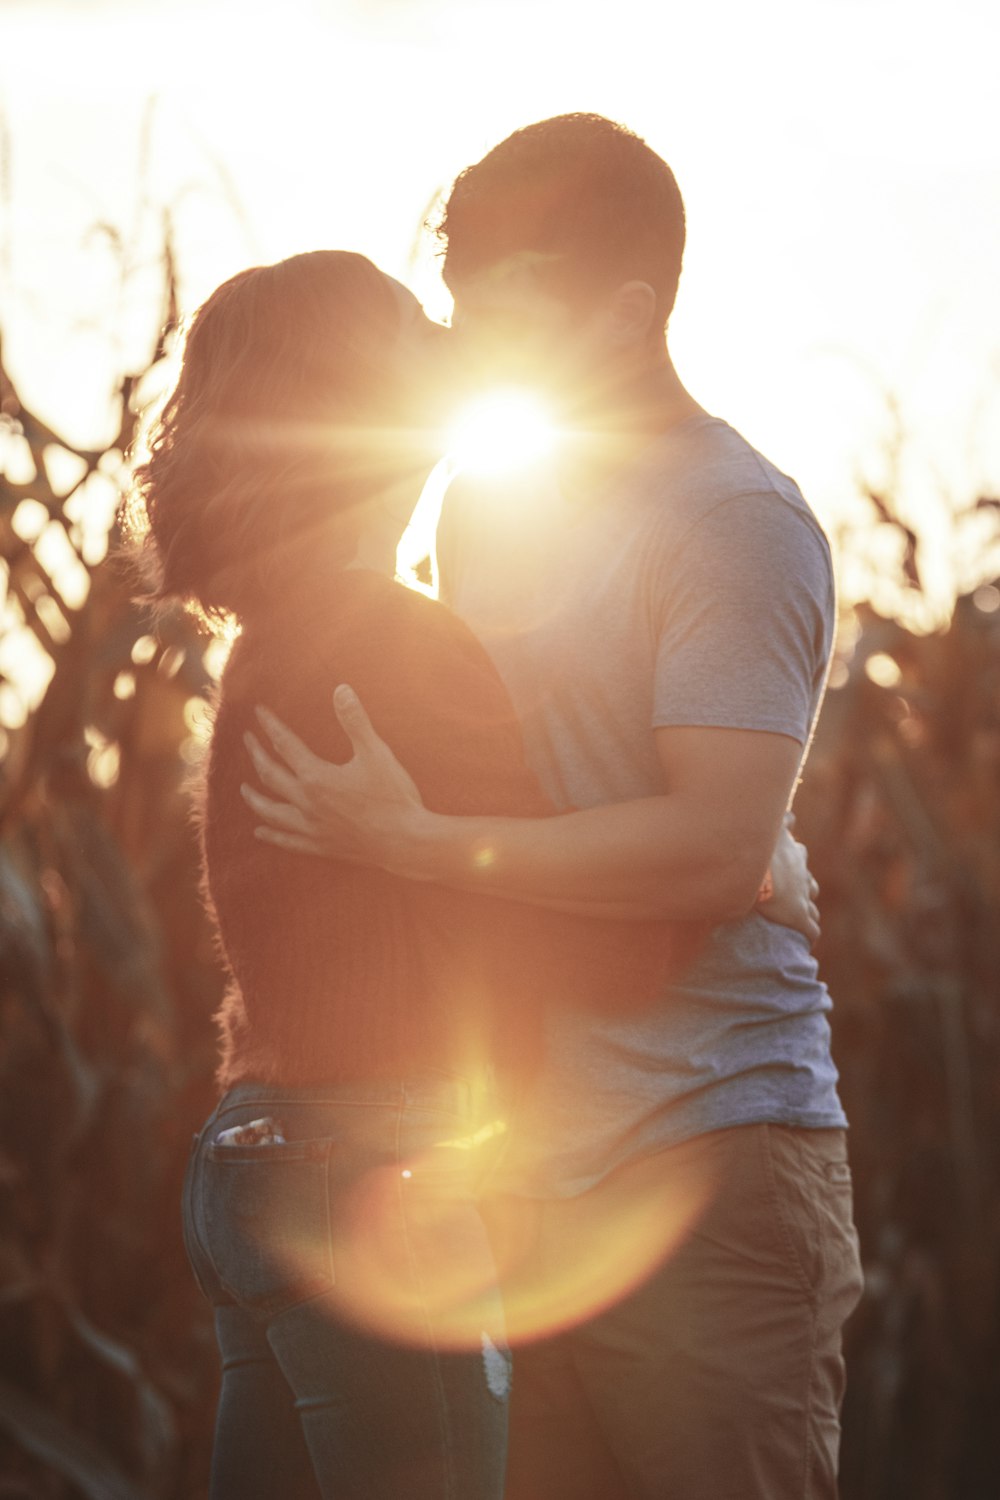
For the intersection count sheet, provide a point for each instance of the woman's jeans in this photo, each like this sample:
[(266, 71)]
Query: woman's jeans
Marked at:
[(355, 1298)]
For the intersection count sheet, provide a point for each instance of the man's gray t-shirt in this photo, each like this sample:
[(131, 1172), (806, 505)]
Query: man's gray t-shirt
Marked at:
[(697, 591)]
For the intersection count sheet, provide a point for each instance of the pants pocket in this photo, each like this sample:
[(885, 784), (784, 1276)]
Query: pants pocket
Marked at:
[(812, 1201), (265, 1221)]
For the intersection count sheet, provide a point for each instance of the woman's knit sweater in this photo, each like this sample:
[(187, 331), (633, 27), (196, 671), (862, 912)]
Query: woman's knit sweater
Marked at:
[(341, 971)]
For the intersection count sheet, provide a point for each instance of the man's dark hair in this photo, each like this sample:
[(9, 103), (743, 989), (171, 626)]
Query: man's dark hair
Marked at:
[(586, 195)]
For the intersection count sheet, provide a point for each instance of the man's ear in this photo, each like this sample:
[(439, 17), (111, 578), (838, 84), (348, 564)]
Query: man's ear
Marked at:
[(631, 314)]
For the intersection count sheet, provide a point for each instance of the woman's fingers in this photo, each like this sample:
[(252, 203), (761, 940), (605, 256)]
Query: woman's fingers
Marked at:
[(274, 776)]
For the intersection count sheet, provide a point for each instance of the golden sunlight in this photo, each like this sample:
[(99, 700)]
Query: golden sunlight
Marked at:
[(501, 432), (597, 1248)]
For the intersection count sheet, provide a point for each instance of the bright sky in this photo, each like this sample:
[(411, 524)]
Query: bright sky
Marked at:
[(840, 161)]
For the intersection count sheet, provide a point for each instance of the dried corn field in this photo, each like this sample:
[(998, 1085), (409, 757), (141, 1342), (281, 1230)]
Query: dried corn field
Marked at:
[(107, 1365)]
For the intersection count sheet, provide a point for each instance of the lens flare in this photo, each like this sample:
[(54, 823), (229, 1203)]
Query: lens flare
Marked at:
[(427, 1251), (500, 433)]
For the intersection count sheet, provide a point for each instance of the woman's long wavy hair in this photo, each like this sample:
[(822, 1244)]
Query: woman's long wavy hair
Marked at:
[(277, 430)]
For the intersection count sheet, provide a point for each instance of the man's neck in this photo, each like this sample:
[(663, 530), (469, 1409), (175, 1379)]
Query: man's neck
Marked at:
[(631, 410)]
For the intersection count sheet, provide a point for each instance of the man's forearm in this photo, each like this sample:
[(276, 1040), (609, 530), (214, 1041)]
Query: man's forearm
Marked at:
[(697, 852), (648, 858)]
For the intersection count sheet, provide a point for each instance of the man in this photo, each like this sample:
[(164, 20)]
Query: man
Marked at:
[(663, 622)]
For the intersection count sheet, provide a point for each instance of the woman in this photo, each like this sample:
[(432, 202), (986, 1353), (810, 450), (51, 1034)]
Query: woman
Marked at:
[(375, 1028)]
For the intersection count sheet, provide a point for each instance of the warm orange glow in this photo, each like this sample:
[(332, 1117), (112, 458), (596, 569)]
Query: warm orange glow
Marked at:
[(557, 1265)]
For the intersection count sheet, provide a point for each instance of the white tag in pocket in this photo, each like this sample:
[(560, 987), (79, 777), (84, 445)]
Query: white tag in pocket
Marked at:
[(264, 1132)]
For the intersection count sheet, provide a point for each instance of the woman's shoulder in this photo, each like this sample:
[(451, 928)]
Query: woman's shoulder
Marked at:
[(398, 647)]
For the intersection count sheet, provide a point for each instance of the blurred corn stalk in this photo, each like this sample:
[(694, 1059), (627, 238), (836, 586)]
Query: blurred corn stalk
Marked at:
[(901, 813), (106, 987)]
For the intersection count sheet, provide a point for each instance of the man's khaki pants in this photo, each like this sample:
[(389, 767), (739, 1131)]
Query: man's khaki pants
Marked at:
[(717, 1374)]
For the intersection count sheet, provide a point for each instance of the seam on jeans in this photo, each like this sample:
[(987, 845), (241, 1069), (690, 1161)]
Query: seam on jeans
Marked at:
[(427, 1110), (768, 1167), (446, 1448), (194, 1188), (294, 1102)]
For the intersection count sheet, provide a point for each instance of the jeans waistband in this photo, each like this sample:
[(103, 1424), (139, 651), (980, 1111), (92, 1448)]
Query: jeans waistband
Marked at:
[(428, 1089)]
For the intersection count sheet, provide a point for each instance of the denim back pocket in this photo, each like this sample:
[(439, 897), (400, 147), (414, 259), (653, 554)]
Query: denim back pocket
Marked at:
[(265, 1221)]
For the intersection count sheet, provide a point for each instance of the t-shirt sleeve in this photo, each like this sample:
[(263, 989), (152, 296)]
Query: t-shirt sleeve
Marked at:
[(744, 615)]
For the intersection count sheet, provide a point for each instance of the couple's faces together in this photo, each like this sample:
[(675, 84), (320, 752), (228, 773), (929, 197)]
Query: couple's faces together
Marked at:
[(502, 332), (509, 329)]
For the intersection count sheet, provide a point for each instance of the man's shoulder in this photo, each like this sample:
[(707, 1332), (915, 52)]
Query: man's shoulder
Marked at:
[(696, 487), (712, 479)]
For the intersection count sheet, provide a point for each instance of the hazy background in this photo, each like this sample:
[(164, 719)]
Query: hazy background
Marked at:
[(840, 161), (841, 167)]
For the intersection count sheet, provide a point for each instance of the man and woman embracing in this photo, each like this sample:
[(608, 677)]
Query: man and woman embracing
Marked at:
[(524, 1045)]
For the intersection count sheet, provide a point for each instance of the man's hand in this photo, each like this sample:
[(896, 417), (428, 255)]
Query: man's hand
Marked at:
[(793, 899), (357, 811)]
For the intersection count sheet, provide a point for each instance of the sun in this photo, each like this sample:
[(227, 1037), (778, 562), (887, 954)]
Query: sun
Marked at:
[(501, 432), (492, 437)]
